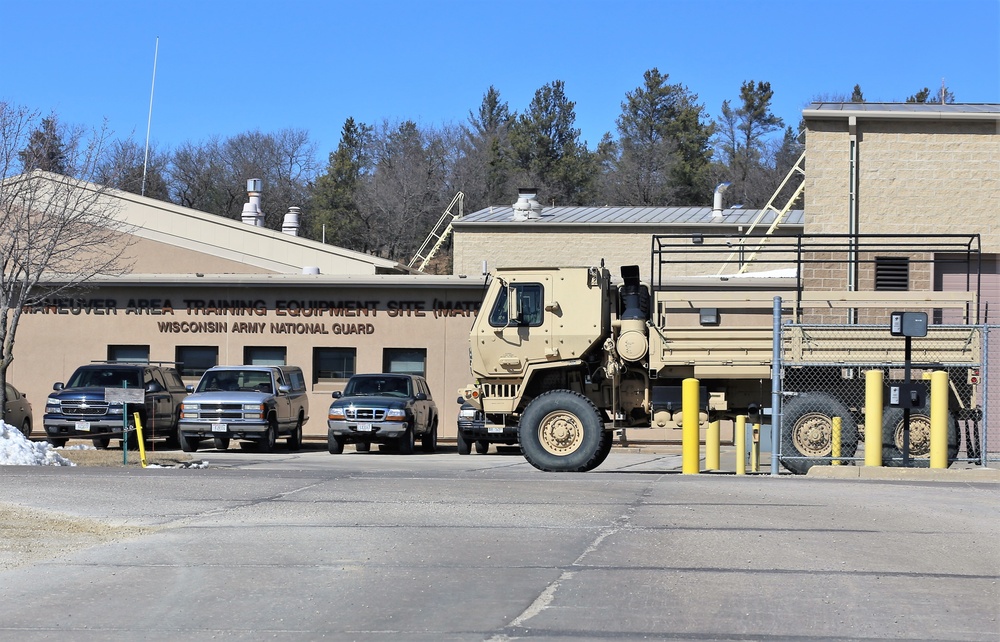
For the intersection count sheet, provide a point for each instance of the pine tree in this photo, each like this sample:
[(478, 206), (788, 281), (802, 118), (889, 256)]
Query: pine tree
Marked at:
[(45, 149), (333, 210)]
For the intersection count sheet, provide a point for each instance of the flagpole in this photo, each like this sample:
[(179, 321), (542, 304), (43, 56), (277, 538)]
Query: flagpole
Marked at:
[(149, 120)]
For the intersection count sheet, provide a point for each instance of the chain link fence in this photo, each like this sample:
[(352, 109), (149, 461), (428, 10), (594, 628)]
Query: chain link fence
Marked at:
[(823, 380)]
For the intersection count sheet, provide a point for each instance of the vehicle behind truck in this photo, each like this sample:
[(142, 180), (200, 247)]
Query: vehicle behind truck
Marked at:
[(572, 354)]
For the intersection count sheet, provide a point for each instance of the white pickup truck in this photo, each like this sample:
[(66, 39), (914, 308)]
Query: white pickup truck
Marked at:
[(258, 404)]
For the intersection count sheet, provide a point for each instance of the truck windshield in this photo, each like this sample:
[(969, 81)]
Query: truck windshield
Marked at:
[(105, 378), (236, 380)]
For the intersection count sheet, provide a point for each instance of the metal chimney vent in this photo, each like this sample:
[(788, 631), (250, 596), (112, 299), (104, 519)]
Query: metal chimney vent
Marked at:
[(527, 208)]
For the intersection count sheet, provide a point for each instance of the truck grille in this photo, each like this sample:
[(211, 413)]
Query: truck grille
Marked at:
[(84, 408), (365, 414), (221, 411)]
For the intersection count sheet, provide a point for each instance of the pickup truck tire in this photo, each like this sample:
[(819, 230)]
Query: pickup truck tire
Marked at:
[(561, 431), (221, 443), (270, 438), (363, 446), (188, 444), (57, 442), (334, 445), (406, 442), (101, 443), (463, 444), (295, 439), (428, 441), (482, 446), (807, 428), (920, 437), (607, 441)]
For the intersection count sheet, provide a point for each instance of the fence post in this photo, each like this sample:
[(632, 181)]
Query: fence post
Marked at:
[(776, 387), (873, 418), (690, 442)]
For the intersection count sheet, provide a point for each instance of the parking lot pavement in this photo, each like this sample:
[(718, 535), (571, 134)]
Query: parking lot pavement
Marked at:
[(444, 547)]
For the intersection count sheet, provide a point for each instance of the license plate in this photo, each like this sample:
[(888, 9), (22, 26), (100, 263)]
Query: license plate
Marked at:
[(364, 427), (218, 427), (492, 429), (83, 426)]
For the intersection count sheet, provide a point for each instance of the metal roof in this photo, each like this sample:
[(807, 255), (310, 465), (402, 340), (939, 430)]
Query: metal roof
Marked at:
[(624, 216), (903, 110)]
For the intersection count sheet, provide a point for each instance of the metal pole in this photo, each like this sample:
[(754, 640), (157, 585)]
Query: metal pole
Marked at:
[(873, 417), (939, 419), (776, 388), (690, 442), (149, 120)]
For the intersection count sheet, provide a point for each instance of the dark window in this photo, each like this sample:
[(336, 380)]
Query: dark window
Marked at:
[(529, 306), (131, 354), (264, 355), (331, 364), (405, 360), (193, 361), (296, 380), (892, 273)]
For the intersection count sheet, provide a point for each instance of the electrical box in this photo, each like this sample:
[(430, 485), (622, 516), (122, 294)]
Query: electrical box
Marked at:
[(908, 324), (903, 394)]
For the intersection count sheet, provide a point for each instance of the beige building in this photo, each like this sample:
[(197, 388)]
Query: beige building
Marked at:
[(207, 290)]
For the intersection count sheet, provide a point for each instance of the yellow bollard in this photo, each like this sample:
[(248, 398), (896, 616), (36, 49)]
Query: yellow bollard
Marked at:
[(939, 419), (755, 450), (690, 460), (873, 418), (835, 437), (138, 435), (741, 445), (712, 446)]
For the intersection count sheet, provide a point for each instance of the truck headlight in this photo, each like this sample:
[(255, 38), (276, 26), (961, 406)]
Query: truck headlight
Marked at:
[(467, 413), (253, 410), (52, 404), (337, 414), (395, 414), (115, 410)]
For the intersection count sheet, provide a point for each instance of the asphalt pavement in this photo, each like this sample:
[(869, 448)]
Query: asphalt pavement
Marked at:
[(374, 546)]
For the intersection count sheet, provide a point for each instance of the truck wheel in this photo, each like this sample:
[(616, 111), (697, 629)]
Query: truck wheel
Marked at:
[(920, 437), (406, 442), (101, 443), (26, 428), (561, 431), (482, 446), (464, 445), (57, 442), (363, 447), (221, 443), (188, 444), (295, 439), (429, 440), (334, 444), (807, 430), (607, 440), (266, 444)]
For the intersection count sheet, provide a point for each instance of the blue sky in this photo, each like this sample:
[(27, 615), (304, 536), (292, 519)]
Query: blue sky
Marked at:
[(226, 67)]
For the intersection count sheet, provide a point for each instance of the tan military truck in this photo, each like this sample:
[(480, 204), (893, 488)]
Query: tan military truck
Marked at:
[(571, 356)]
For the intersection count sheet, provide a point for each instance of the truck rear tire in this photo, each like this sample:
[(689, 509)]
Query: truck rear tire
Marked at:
[(920, 437), (561, 431), (807, 430)]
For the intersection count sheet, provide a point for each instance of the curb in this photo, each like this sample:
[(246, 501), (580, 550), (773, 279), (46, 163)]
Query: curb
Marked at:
[(906, 474)]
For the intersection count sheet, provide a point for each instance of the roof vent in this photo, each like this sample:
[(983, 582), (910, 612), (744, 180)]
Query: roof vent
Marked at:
[(252, 214), (717, 202), (291, 223), (310, 269), (527, 208)]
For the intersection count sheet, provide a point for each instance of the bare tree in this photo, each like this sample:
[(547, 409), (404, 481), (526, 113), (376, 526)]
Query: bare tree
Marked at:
[(57, 231)]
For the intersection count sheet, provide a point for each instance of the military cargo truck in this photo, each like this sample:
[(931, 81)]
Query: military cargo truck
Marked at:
[(571, 355)]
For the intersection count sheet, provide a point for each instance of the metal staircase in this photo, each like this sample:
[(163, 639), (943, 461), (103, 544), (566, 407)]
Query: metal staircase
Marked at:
[(798, 171), (439, 234)]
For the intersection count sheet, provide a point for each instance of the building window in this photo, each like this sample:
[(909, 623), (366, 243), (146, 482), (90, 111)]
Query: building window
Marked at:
[(133, 354), (264, 355), (892, 273), (405, 360), (529, 306), (193, 361), (331, 364)]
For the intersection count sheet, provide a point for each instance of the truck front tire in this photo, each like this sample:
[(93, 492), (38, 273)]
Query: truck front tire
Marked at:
[(561, 431), (920, 437)]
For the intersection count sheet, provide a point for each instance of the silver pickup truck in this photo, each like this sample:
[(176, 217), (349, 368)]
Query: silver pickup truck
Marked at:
[(254, 403)]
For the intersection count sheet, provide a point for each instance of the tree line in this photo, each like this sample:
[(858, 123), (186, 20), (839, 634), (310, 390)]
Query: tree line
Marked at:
[(386, 184)]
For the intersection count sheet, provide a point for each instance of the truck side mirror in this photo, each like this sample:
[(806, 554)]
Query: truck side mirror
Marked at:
[(513, 306)]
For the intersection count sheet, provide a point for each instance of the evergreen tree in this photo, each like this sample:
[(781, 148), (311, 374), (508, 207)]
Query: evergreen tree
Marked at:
[(333, 210), (857, 96), (925, 96), (548, 151), (743, 144), (45, 149), (484, 167)]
